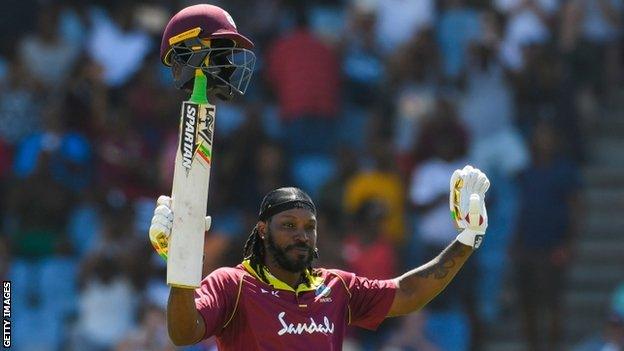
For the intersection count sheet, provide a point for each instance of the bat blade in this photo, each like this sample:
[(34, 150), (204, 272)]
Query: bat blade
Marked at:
[(189, 194)]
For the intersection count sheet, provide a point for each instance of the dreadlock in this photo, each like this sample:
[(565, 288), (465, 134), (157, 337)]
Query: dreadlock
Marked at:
[(254, 252)]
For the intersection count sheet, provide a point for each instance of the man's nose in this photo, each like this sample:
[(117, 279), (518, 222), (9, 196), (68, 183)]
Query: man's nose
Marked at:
[(302, 236)]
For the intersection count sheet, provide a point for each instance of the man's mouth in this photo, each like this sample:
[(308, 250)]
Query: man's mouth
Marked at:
[(300, 249)]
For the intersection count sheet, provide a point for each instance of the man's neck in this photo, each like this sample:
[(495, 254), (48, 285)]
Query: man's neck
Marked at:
[(292, 279)]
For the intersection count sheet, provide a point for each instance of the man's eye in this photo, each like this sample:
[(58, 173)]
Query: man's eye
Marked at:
[(289, 225)]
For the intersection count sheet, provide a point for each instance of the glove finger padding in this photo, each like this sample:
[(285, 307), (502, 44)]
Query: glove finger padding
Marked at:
[(475, 218), (160, 229), (457, 183), (162, 222), (164, 200), (467, 204)]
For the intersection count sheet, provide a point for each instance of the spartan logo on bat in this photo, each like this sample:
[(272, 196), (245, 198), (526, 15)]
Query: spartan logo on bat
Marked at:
[(188, 144), (206, 132)]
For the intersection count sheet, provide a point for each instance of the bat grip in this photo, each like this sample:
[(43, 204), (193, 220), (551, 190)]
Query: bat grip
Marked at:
[(199, 88)]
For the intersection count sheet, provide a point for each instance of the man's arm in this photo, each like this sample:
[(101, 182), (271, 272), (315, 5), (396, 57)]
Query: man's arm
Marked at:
[(467, 205), (184, 323), (419, 286)]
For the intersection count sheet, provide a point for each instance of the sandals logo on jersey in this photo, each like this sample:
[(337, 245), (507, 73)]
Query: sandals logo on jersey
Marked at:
[(326, 327), (188, 144), (322, 293)]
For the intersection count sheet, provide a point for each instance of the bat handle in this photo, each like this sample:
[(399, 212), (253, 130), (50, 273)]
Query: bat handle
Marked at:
[(199, 88)]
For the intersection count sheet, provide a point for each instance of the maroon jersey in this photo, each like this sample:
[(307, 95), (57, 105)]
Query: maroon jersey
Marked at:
[(245, 313)]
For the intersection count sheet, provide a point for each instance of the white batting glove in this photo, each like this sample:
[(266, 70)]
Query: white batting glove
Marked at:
[(467, 204), (162, 222)]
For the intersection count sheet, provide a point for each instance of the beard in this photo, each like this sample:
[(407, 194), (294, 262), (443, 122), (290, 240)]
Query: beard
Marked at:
[(300, 263)]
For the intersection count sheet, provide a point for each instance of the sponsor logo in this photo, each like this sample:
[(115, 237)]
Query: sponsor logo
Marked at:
[(191, 33), (326, 327), (273, 292), (206, 132), (6, 314), (188, 144), (197, 134)]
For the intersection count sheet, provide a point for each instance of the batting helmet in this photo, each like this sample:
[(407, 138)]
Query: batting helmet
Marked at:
[(205, 37)]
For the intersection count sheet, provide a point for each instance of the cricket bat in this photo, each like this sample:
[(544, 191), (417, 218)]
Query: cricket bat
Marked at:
[(189, 191)]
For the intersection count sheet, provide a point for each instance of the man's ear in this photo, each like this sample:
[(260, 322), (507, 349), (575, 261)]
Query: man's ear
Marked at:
[(262, 229)]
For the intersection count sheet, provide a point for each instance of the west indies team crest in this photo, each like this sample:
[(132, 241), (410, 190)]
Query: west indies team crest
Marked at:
[(322, 293)]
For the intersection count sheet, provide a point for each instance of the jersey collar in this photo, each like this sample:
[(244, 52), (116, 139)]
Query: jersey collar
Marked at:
[(280, 285)]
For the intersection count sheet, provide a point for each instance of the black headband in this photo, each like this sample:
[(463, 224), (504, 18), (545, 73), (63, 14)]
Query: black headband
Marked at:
[(283, 199), (285, 206)]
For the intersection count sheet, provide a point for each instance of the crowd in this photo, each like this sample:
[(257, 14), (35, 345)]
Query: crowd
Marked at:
[(368, 105)]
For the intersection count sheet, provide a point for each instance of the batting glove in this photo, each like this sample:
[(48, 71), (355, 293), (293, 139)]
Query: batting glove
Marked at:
[(467, 204), (162, 222)]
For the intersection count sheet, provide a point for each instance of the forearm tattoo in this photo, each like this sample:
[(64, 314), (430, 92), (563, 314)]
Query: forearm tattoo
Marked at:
[(442, 265)]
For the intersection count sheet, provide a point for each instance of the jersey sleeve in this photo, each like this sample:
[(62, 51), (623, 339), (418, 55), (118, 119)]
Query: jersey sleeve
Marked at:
[(370, 299), (216, 299)]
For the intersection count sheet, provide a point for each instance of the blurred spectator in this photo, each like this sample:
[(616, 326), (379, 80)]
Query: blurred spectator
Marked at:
[(304, 73), (591, 36), (69, 151), (380, 182), (85, 221), (369, 253), (150, 334), (617, 303), (158, 117), (366, 250), (487, 111), (104, 283), (611, 339), (270, 168), (457, 26), (261, 18), (327, 20), (122, 157), (86, 98), (612, 336), (46, 54), (399, 21), (116, 43), (43, 301), (331, 194), (549, 190), (362, 64), (20, 104), (38, 207), (412, 335), (364, 73), (429, 195), (414, 82), (527, 24)]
